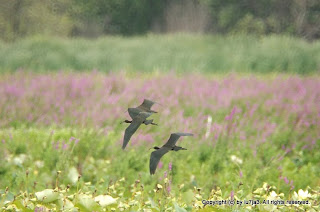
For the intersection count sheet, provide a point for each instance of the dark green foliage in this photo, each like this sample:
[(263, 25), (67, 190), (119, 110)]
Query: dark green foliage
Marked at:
[(20, 18), (125, 17)]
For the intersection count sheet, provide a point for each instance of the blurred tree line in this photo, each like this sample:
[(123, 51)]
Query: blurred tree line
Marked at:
[(20, 18)]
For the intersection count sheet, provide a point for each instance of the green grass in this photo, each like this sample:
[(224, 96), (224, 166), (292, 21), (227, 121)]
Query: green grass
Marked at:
[(106, 169), (182, 53)]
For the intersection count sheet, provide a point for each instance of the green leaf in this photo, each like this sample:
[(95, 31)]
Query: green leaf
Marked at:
[(47, 195), (179, 209), (105, 200), (188, 196), (87, 202), (7, 198)]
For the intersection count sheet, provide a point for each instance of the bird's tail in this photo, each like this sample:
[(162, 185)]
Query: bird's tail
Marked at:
[(177, 148)]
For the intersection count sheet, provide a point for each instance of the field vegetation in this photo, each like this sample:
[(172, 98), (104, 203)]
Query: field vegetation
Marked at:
[(255, 138), (242, 76), (149, 53)]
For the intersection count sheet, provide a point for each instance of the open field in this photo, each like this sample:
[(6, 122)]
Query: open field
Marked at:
[(61, 131), (182, 53)]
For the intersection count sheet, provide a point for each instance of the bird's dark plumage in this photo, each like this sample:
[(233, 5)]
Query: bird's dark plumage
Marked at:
[(155, 158), (146, 104), (174, 138), (133, 112), (144, 107), (132, 128), (169, 146)]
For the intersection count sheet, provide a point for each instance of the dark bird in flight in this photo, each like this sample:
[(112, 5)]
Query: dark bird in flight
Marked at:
[(135, 123), (169, 146), (144, 107)]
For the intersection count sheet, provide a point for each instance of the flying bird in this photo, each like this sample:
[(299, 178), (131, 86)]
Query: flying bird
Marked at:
[(169, 146), (135, 123), (144, 107)]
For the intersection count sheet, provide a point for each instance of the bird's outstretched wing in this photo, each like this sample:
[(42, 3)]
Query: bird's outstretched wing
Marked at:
[(174, 137), (147, 104), (133, 112), (155, 158), (132, 128)]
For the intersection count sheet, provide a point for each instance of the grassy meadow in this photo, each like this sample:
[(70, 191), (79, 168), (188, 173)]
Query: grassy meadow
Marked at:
[(256, 136), (181, 53)]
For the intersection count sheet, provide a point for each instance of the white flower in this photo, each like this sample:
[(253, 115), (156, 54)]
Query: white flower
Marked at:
[(208, 126), (302, 195), (39, 163), (273, 194), (19, 160), (73, 175), (235, 159)]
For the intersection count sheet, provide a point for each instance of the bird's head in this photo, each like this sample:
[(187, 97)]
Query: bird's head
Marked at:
[(126, 121)]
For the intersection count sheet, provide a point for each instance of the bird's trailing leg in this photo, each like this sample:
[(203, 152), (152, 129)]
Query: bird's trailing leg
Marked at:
[(146, 122), (177, 148), (126, 121)]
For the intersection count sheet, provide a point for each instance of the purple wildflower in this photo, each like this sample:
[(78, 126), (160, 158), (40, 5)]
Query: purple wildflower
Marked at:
[(160, 165), (170, 166), (57, 146), (285, 179), (291, 184), (39, 209), (169, 188), (230, 116), (165, 174), (64, 145), (232, 195)]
